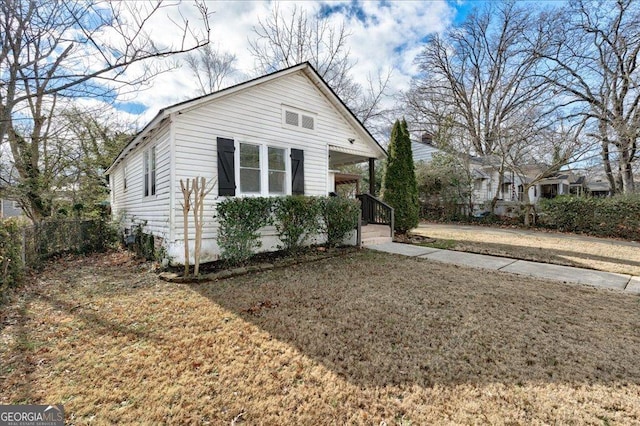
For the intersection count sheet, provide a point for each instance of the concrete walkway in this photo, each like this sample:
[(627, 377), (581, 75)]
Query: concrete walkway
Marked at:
[(626, 283)]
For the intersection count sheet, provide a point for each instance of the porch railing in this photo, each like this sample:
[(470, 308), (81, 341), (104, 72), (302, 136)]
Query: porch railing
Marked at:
[(375, 211)]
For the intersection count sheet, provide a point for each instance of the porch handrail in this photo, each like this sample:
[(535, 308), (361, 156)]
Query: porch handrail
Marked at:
[(375, 211)]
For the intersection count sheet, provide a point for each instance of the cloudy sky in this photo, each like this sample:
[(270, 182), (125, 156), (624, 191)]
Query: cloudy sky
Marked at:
[(384, 35)]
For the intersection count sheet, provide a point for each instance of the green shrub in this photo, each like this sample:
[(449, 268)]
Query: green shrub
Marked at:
[(11, 267), (603, 217), (240, 219), (296, 218), (339, 217), (144, 245)]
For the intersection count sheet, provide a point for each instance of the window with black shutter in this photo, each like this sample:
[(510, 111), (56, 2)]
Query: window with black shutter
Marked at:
[(262, 169)]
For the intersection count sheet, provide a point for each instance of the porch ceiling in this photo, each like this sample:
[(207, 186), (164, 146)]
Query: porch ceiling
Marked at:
[(339, 156)]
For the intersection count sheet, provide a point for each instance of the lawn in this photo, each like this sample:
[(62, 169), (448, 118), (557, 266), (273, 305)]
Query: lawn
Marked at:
[(549, 247), (359, 339)]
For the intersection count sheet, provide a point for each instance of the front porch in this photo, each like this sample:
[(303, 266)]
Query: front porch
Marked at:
[(376, 224)]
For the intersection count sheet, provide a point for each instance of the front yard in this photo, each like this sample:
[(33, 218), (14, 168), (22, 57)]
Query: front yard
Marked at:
[(360, 339)]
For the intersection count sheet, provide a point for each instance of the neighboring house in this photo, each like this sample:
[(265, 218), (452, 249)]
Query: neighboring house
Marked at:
[(424, 149), (484, 174), (279, 134), (10, 208), (485, 179), (598, 188), (562, 183)]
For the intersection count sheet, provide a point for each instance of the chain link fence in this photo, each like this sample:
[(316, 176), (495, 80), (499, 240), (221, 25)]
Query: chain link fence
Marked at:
[(26, 247), (46, 239)]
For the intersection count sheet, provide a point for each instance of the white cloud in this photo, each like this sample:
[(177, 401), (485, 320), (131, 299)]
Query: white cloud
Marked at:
[(389, 38)]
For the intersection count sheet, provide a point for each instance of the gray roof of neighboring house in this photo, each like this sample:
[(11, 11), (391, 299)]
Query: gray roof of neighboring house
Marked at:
[(564, 177), (479, 174)]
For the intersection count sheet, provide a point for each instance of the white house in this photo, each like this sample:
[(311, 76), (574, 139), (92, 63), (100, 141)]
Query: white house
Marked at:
[(278, 134), (424, 149), (485, 172), (485, 177)]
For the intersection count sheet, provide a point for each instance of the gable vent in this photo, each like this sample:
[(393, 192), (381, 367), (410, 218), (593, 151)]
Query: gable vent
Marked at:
[(307, 122), (291, 118)]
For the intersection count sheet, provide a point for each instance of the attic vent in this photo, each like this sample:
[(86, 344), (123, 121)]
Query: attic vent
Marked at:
[(294, 117), (291, 118), (307, 122)]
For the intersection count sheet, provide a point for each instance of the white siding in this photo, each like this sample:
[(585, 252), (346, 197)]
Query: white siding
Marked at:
[(131, 206), (255, 116), (422, 151)]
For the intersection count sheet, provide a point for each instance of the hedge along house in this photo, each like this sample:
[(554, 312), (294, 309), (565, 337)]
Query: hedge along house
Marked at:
[(279, 134)]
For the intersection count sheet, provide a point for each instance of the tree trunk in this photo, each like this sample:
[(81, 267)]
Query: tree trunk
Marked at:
[(494, 201), (186, 206), (198, 186), (626, 171), (607, 168), (528, 207), (200, 191)]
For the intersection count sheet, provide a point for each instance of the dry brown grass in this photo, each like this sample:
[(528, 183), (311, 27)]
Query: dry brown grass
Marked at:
[(361, 339), (549, 247)]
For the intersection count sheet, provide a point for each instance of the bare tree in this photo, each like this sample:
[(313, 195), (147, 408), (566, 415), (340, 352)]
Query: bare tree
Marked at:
[(594, 59), (283, 40), (52, 49), (199, 189), (482, 79), (187, 190), (91, 140), (211, 67)]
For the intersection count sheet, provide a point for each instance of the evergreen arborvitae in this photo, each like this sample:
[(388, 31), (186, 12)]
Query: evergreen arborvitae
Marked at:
[(400, 189)]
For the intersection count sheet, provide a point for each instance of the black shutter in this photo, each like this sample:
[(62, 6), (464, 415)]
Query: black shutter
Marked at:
[(297, 172), (226, 169)]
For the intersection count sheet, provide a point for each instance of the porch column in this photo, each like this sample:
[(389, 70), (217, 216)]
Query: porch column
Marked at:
[(372, 176)]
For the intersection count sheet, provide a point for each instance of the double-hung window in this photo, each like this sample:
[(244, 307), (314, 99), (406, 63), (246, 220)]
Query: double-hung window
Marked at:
[(277, 171), (124, 177), (263, 170), (250, 182), (149, 160)]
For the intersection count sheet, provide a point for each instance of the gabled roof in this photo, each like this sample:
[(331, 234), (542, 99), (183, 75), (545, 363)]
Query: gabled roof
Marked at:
[(304, 67)]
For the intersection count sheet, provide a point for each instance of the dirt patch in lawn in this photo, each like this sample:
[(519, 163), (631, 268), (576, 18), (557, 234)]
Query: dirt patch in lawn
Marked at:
[(359, 339), (560, 249)]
